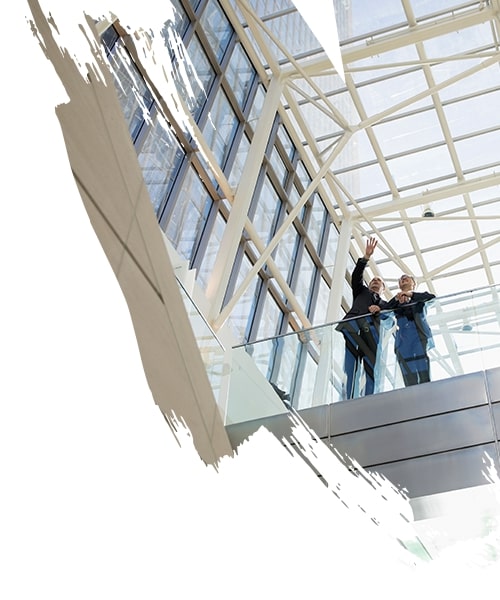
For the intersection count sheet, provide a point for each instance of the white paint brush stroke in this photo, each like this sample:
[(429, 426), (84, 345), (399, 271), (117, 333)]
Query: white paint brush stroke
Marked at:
[(320, 16)]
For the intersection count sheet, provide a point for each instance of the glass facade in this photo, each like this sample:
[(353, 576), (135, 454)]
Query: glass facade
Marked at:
[(226, 96), (392, 137)]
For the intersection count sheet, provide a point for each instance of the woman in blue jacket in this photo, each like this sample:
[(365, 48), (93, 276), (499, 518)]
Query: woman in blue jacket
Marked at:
[(413, 334)]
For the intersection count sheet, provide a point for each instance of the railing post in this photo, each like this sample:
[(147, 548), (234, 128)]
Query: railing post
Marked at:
[(326, 364)]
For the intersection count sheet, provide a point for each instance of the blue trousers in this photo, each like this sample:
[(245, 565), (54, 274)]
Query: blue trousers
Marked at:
[(411, 353)]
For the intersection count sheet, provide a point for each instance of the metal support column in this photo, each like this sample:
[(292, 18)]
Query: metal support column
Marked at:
[(326, 359)]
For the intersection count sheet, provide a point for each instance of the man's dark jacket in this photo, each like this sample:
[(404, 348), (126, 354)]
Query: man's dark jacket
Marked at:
[(362, 296)]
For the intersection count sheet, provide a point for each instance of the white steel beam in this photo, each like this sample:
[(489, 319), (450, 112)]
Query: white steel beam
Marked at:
[(447, 191), (226, 311), (231, 238)]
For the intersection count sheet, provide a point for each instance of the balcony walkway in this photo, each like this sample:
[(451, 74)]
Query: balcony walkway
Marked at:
[(428, 439), (434, 440)]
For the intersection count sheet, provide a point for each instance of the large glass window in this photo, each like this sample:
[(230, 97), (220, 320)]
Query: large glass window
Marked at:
[(278, 166), (160, 156), (304, 281), (210, 252), (257, 106), (240, 74), (181, 20), (316, 221), (239, 162), (239, 318), (265, 205), (285, 252), (188, 215), (202, 78), (135, 98), (217, 83), (270, 318), (220, 127), (286, 142), (217, 28), (319, 316), (330, 248)]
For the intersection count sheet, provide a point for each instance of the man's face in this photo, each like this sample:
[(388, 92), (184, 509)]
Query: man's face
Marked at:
[(406, 282), (376, 285)]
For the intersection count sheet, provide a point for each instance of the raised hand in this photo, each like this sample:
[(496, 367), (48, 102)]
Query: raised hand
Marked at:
[(371, 244)]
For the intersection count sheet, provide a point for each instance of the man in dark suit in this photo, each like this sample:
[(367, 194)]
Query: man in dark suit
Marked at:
[(413, 335), (362, 334)]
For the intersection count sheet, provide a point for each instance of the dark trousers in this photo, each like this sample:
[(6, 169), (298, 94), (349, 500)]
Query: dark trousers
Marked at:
[(361, 341)]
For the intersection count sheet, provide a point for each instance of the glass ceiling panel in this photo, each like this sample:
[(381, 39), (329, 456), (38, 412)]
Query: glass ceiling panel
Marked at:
[(435, 259), (326, 145), (329, 83), (411, 169), (367, 17), (487, 197), (496, 272), (458, 42), (364, 182), (491, 224), (391, 271), (376, 66), (458, 283), (493, 238), (436, 231), (345, 106), (406, 133), (318, 121), (453, 205), (399, 243), (427, 185), (486, 111), (269, 7), (474, 174), (427, 7), (304, 86), (357, 151), (411, 133), (387, 93), (289, 31), (483, 79), (479, 150)]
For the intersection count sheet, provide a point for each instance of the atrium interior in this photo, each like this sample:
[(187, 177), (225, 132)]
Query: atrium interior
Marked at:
[(233, 169)]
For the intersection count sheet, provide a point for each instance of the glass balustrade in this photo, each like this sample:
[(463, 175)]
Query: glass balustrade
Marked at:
[(213, 353), (306, 368)]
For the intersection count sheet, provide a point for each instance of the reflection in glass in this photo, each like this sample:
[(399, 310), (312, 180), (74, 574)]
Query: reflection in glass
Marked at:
[(188, 215), (202, 78), (240, 74), (159, 157), (210, 253), (264, 210), (217, 28), (220, 127)]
